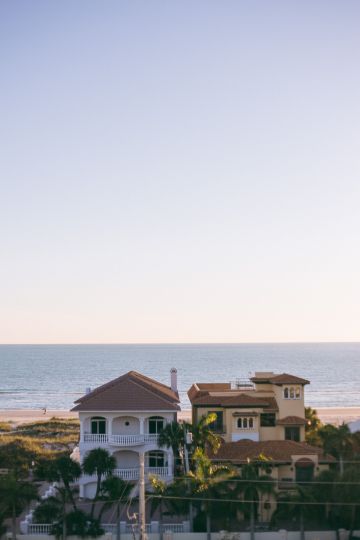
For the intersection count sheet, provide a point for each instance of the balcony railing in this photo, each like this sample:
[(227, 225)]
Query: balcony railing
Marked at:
[(121, 440), (96, 438), (133, 473), (133, 440), (39, 528)]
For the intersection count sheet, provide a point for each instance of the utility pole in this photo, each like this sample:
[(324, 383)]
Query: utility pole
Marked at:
[(188, 440), (142, 516)]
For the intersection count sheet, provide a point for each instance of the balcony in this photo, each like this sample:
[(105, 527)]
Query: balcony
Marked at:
[(132, 473), (121, 440)]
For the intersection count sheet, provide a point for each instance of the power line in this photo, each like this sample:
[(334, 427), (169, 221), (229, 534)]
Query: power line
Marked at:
[(241, 501)]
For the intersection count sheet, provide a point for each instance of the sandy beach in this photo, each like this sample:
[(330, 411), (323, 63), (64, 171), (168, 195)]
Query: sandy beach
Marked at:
[(328, 415), (26, 416)]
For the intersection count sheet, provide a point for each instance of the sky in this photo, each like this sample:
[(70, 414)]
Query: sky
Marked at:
[(183, 171)]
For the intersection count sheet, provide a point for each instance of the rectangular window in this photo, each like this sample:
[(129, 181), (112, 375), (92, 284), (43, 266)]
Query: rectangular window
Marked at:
[(98, 426), (156, 424), (156, 459), (292, 434), (218, 425), (267, 419)]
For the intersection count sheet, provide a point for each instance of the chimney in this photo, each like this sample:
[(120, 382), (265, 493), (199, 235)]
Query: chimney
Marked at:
[(173, 378), (88, 390)]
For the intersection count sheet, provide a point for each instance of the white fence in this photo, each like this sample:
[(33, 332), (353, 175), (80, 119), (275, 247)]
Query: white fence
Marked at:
[(180, 531), (274, 535), (39, 528)]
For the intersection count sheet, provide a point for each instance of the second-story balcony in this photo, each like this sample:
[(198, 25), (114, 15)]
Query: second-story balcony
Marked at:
[(120, 440), (133, 473)]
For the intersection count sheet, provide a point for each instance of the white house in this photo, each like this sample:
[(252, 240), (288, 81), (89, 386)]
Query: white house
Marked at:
[(125, 416)]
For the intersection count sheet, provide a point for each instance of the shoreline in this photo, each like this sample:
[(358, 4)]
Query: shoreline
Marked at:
[(328, 415)]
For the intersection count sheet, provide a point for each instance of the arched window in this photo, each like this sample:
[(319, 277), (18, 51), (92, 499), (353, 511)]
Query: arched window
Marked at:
[(98, 425), (297, 392), (292, 392), (251, 423), (286, 392), (239, 423), (156, 424), (245, 423)]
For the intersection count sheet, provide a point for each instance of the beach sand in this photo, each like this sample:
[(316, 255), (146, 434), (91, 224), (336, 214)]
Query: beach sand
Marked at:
[(328, 415), (26, 416)]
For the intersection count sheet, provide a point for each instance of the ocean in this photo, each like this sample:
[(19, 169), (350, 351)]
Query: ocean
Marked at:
[(53, 376)]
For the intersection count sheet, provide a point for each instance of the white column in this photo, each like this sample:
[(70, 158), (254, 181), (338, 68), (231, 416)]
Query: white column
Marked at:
[(170, 463), (142, 424), (82, 430), (110, 426), (142, 498)]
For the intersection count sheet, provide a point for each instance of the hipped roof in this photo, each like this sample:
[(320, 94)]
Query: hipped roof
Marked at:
[(130, 392)]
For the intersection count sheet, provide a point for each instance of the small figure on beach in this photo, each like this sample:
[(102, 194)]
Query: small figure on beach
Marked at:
[(44, 409)]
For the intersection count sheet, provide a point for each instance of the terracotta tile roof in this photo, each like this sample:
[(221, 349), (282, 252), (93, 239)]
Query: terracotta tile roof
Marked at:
[(291, 421), (240, 400), (130, 392), (279, 451), (283, 378)]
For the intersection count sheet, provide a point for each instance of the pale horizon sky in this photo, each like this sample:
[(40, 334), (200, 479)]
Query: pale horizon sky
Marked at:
[(179, 171)]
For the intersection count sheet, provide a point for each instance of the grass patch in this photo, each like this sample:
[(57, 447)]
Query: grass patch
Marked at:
[(44, 439), (5, 426)]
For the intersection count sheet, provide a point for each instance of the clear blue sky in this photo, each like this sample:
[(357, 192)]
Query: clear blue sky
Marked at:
[(183, 171)]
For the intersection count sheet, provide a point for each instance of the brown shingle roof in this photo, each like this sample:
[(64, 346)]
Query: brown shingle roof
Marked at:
[(279, 451), (240, 400), (291, 421), (283, 378), (130, 392)]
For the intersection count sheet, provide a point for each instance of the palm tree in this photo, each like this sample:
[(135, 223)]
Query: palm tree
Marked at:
[(203, 434), (298, 504), (252, 484), (62, 469), (349, 492), (312, 426), (337, 441), (115, 491), (325, 493), (98, 461), (173, 436), (206, 480), (159, 487), (15, 495)]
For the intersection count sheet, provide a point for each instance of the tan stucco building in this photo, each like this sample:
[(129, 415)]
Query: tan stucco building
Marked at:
[(264, 416)]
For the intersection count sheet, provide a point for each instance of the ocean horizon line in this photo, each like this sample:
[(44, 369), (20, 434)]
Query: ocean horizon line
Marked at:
[(177, 344)]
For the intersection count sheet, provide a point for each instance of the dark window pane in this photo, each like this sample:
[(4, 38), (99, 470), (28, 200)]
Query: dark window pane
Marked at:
[(218, 425), (292, 434), (267, 420)]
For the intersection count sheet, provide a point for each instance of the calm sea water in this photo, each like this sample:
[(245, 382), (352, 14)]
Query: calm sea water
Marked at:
[(34, 376)]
